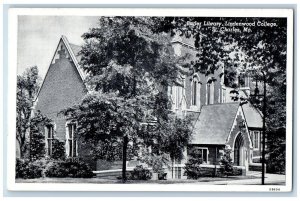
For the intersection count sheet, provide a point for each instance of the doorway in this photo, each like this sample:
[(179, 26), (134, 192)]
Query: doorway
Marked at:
[(239, 151)]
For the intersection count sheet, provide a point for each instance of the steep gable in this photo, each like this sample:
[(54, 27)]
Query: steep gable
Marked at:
[(214, 123), (63, 85)]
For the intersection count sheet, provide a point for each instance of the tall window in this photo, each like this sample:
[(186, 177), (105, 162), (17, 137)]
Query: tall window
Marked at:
[(255, 139), (177, 172), (194, 93), (71, 141), (177, 169), (49, 139), (210, 93), (244, 80)]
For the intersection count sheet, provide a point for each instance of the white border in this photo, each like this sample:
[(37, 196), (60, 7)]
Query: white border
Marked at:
[(12, 72)]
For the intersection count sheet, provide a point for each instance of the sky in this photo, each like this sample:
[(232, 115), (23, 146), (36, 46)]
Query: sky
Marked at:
[(38, 37)]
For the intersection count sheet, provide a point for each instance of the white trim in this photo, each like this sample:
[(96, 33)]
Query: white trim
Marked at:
[(240, 109)]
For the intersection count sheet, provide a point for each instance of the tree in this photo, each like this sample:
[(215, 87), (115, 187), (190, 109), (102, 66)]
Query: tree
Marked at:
[(27, 87), (129, 69)]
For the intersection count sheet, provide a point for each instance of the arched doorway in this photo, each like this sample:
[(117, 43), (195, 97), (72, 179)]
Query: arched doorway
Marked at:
[(239, 151)]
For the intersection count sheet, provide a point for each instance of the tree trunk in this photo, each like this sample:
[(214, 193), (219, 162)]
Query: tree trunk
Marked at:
[(125, 142)]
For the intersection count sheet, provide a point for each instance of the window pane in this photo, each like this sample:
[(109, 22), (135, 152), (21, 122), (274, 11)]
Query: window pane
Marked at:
[(74, 149), (208, 94), (205, 155), (194, 93), (50, 131), (49, 147), (70, 131), (70, 148)]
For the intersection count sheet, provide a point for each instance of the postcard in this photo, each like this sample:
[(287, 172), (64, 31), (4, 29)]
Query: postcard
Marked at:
[(139, 99)]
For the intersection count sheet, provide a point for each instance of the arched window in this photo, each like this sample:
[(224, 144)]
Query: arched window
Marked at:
[(195, 91), (210, 92)]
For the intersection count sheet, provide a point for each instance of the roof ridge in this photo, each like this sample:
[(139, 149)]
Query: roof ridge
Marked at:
[(227, 103)]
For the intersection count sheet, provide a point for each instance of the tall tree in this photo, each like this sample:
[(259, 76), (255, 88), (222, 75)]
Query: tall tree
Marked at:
[(27, 87), (129, 69)]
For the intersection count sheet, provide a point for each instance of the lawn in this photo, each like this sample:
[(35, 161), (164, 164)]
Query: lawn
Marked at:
[(115, 181)]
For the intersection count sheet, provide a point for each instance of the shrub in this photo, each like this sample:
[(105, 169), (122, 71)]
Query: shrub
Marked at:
[(69, 168), (226, 163), (58, 150), (26, 169), (192, 167), (37, 145), (56, 169), (140, 173)]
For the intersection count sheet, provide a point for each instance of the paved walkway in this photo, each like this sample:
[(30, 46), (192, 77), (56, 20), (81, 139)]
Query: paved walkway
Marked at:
[(270, 179)]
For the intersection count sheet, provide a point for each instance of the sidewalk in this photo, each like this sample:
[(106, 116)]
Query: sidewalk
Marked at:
[(270, 179)]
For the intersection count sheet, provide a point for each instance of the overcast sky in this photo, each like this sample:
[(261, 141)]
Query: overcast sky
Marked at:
[(38, 37)]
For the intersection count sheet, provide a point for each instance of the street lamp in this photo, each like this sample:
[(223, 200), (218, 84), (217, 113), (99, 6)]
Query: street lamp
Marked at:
[(257, 95)]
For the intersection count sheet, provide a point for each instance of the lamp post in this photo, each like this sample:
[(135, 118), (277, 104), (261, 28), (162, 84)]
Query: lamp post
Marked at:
[(256, 94)]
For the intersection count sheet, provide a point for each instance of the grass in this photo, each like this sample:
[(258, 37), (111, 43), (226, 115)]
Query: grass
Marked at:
[(115, 181)]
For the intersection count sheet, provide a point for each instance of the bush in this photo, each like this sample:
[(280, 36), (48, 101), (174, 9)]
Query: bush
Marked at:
[(226, 163), (58, 150), (192, 167), (26, 169), (69, 168), (140, 173)]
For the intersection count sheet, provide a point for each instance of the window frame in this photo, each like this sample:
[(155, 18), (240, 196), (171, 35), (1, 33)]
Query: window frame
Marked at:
[(255, 137), (49, 128), (207, 152), (195, 91), (71, 142), (210, 93)]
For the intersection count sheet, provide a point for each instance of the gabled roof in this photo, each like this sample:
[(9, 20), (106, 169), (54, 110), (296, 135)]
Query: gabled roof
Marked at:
[(214, 123), (253, 116), (76, 50), (73, 51), (73, 55)]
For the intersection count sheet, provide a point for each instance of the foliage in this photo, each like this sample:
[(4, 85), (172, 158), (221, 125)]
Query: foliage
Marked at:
[(58, 150), (37, 146), (156, 162), (69, 168), (192, 167), (37, 137), (276, 152), (128, 89), (27, 86), (140, 173), (226, 163), (26, 169)]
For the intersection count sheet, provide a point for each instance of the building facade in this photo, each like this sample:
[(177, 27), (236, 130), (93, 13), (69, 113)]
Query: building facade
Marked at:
[(218, 120)]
